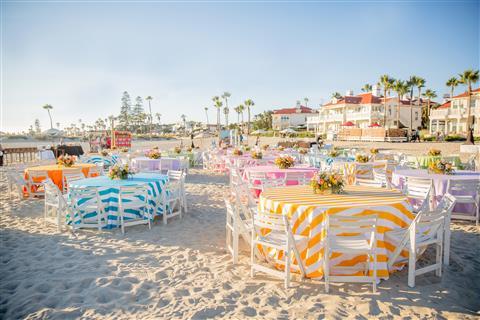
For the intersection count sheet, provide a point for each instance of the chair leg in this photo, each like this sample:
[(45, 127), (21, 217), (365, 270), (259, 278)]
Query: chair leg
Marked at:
[(411, 267), (438, 259), (252, 255), (375, 272), (287, 265), (326, 274), (235, 244)]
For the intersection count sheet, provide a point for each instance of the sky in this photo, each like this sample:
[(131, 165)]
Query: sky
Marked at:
[(80, 56)]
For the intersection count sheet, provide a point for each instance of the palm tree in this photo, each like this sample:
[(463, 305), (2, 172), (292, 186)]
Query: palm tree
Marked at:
[(217, 104), (306, 101), (429, 94), (206, 113), (419, 83), (226, 112), (400, 88), (411, 84), (237, 110), (248, 103), (58, 125), (48, 108), (367, 88), (149, 99), (225, 97), (184, 117), (452, 83), (336, 95), (241, 109), (469, 77), (386, 82)]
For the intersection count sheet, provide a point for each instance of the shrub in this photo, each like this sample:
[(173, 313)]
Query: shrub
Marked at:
[(455, 138)]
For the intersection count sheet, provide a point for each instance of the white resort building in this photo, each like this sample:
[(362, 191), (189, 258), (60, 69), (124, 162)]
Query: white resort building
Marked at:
[(364, 110), (451, 117), (291, 117)]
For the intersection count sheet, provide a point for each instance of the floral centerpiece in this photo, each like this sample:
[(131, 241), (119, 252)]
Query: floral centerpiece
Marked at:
[(189, 149), (333, 153), (362, 158), (124, 149), (303, 151), (247, 148), (280, 148), (284, 162), (327, 182), (256, 155), (177, 150), (119, 172), (153, 154), (265, 147), (66, 160), (440, 166), (434, 152), (374, 151), (105, 153), (237, 152)]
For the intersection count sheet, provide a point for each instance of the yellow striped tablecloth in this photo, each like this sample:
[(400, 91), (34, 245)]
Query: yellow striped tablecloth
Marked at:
[(306, 211)]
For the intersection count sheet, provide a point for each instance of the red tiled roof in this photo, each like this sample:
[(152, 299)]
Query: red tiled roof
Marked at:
[(465, 94), (446, 105), (294, 110)]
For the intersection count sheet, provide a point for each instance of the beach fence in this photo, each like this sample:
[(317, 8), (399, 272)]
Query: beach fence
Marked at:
[(10, 156)]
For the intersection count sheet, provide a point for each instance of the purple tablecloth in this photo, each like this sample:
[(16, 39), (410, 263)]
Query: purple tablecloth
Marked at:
[(440, 182), (144, 163)]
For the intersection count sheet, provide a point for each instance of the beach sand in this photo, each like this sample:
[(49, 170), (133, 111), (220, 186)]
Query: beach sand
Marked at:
[(181, 270)]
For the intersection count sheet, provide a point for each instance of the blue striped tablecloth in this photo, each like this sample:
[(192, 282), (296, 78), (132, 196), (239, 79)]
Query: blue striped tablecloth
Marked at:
[(109, 190), (106, 160)]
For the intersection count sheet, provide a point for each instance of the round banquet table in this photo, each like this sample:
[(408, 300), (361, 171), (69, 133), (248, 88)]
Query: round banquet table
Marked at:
[(274, 172), (140, 163), (440, 182), (306, 212), (109, 189), (55, 172)]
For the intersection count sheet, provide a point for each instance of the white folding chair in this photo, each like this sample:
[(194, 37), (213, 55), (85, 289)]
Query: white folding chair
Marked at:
[(56, 207), (426, 229), (17, 184), (420, 192), (133, 198), (95, 171), (339, 239), (281, 238), (70, 175), (460, 190), (87, 208), (236, 227), (172, 204), (178, 175), (35, 182), (300, 177)]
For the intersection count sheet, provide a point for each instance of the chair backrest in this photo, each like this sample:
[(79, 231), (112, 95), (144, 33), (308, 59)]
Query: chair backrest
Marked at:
[(461, 186), (381, 177), (53, 196), (419, 189), (300, 177), (363, 170), (69, 177), (37, 176), (256, 175), (95, 171), (175, 174), (128, 194), (338, 224), (270, 221), (82, 196)]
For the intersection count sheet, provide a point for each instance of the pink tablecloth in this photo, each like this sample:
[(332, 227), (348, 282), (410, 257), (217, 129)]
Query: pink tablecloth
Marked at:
[(440, 182), (275, 173)]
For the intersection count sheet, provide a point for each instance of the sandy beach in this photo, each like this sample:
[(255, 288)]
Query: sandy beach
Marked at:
[(182, 271)]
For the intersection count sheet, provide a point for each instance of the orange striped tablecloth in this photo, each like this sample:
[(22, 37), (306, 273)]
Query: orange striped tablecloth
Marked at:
[(306, 211), (55, 172)]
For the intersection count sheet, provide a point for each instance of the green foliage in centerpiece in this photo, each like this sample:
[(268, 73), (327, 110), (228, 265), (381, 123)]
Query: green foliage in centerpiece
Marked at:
[(362, 158), (434, 152), (256, 155)]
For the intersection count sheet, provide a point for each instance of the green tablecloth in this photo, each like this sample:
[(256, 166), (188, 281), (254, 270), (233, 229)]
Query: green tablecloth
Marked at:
[(424, 161)]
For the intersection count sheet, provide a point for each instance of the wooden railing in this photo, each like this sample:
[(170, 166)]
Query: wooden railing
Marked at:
[(17, 155)]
